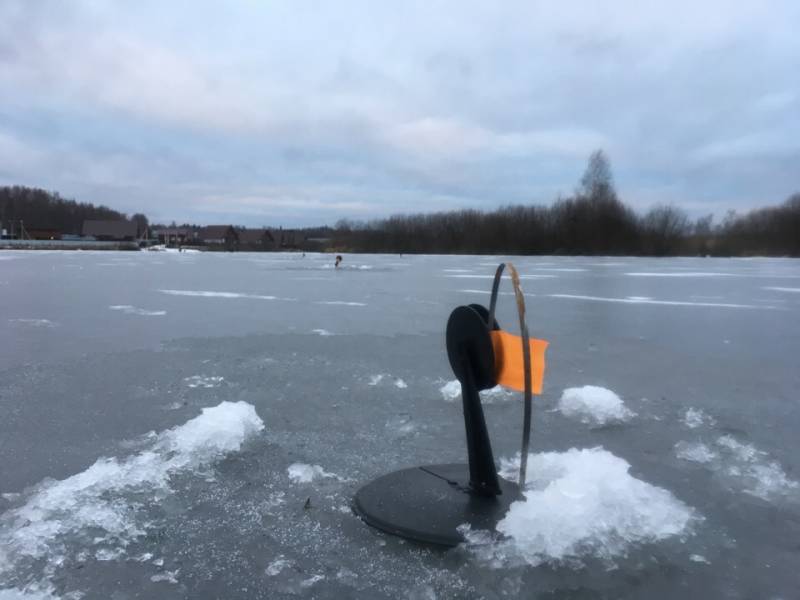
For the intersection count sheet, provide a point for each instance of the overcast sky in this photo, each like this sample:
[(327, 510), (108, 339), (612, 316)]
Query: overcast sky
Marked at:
[(300, 113)]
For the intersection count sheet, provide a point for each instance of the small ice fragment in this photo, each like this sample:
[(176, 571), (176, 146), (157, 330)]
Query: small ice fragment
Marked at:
[(322, 332), (201, 381), (276, 566), (695, 452), (143, 557), (375, 379), (400, 384), (303, 473), (695, 417), (594, 405), (698, 558), (307, 583), (451, 392), (109, 553), (168, 576)]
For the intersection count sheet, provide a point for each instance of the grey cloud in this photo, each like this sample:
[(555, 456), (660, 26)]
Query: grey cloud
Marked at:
[(305, 111)]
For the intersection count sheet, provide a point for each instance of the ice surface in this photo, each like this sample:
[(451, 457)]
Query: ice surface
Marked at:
[(784, 289), (451, 392), (680, 274), (579, 504), (132, 310), (594, 405), (303, 473), (94, 505), (633, 300)]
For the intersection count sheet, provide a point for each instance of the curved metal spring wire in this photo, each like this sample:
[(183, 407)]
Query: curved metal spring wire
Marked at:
[(526, 357)]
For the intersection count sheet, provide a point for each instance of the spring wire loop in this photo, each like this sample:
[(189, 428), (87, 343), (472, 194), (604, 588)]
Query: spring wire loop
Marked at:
[(526, 357)]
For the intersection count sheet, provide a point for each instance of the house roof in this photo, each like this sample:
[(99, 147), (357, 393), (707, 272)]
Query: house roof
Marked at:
[(117, 229), (254, 236), (215, 232)]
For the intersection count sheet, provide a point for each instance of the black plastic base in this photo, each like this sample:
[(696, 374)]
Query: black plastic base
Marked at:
[(427, 504)]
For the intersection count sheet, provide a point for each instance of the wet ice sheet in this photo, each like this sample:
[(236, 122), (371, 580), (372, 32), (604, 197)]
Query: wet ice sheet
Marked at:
[(697, 374)]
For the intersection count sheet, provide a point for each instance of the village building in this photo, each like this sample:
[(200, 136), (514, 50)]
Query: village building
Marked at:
[(111, 231), (255, 239), (176, 236), (288, 239), (219, 236)]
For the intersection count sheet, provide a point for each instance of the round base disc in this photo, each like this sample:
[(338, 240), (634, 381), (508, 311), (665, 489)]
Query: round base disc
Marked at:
[(427, 504)]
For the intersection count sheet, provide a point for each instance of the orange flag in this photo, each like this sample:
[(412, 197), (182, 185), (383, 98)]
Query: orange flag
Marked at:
[(509, 363)]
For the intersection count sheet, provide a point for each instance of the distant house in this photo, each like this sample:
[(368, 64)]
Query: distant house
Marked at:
[(288, 239), (255, 239), (111, 231), (221, 236), (43, 233), (175, 236)]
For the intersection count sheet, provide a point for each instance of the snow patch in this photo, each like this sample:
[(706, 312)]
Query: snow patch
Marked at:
[(34, 322), (399, 383), (205, 294), (451, 392), (579, 504), (695, 452), (594, 405), (132, 310), (322, 332), (340, 303), (92, 508), (747, 467), (752, 468), (784, 289)]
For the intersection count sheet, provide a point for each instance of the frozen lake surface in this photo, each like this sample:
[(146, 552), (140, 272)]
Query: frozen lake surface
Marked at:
[(195, 426)]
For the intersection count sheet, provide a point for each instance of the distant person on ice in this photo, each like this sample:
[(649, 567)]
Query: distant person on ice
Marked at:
[(338, 260)]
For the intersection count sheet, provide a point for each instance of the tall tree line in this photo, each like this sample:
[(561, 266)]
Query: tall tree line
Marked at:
[(592, 221), (40, 209)]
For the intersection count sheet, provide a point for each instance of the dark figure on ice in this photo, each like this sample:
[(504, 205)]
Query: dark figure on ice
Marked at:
[(338, 260)]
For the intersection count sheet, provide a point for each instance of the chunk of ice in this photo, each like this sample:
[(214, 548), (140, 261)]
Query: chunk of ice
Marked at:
[(578, 504), (594, 405), (451, 392), (303, 473)]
